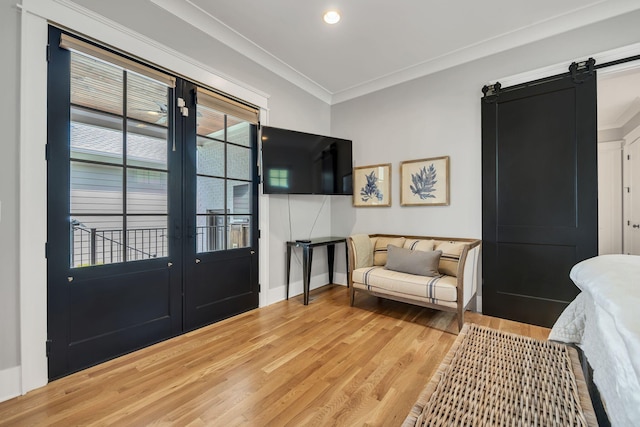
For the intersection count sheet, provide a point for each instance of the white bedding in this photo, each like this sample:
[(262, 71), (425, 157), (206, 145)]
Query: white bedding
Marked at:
[(604, 321)]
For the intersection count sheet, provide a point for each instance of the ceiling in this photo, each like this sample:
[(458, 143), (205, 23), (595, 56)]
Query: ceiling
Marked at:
[(379, 43), (618, 96)]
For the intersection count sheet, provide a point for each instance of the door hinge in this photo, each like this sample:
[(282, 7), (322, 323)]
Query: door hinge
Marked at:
[(46, 152), (628, 156), (46, 250), (259, 288), (48, 53), (259, 234), (48, 347)]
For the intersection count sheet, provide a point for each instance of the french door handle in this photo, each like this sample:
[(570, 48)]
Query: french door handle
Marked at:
[(197, 261), (636, 225)]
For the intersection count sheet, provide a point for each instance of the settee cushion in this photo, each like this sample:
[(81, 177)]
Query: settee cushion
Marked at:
[(419, 244), (422, 263), (363, 250), (450, 257), (378, 278), (380, 248)]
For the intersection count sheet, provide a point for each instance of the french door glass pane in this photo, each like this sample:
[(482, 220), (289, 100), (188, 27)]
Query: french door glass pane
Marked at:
[(146, 145), (95, 188), (210, 157), (239, 231), (96, 84), (147, 100), (146, 237), (99, 161), (238, 162), (209, 123), (239, 197), (224, 181), (146, 191), (210, 195), (95, 136), (96, 240), (210, 232), (238, 131)]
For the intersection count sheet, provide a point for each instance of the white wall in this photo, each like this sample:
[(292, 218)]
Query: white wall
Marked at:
[(610, 197), (9, 123)]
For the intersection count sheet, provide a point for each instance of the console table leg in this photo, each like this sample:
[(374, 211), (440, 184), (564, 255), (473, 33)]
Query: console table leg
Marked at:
[(307, 254), (331, 250), (288, 267), (346, 252)]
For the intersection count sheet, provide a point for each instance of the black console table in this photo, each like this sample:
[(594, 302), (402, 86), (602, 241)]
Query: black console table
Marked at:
[(307, 256)]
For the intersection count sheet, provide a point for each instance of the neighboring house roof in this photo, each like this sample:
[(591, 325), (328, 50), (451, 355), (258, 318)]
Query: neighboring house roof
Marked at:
[(100, 141)]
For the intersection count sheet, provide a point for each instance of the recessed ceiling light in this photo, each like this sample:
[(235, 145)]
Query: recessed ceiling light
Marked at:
[(332, 17)]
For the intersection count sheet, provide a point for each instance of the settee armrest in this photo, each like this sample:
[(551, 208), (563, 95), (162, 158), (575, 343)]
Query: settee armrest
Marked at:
[(468, 271)]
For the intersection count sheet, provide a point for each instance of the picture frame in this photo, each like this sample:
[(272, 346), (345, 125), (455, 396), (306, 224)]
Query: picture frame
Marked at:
[(425, 182), (372, 185)]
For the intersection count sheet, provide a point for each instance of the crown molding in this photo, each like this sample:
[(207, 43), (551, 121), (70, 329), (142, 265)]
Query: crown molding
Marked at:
[(209, 24), (632, 111)]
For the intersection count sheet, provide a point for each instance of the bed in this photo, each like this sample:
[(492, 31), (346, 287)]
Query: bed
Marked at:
[(604, 322)]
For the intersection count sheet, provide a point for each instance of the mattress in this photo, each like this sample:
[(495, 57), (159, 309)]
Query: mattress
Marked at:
[(604, 322)]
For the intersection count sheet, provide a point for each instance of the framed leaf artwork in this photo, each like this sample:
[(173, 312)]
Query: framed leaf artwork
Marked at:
[(372, 186), (425, 182)]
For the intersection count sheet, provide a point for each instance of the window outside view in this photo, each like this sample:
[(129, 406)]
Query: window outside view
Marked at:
[(119, 170)]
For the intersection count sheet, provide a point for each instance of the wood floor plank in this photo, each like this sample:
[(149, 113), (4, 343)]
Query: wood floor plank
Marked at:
[(326, 364)]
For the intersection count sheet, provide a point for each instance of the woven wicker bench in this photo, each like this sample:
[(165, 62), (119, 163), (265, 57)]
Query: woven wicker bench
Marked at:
[(493, 378)]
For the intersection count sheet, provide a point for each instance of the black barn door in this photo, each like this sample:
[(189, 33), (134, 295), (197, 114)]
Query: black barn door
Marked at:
[(539, 202)]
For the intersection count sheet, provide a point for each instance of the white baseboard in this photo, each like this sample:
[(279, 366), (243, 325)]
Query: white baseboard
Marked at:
[(9, 383), (295, 288), (479, 303)]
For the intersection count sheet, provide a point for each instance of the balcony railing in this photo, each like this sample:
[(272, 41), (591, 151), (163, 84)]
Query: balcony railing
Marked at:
[(92, 246)]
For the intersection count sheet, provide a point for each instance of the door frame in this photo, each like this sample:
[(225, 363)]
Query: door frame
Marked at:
[(632, 137)]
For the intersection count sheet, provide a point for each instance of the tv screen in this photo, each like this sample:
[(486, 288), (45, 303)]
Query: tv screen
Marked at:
[(303, 163)]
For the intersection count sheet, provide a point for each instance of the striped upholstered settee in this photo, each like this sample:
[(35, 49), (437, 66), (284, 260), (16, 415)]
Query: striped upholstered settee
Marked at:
[(450, 287)]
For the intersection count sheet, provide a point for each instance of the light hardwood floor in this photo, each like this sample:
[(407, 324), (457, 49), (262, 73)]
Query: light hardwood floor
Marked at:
[(326, 364)]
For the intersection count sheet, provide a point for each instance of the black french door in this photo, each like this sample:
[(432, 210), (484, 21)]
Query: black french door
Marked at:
[(539, 202), (220, 251), (151, 231)]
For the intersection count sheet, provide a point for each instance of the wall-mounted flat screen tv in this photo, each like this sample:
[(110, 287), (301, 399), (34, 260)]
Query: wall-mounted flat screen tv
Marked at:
[(303, 163)]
